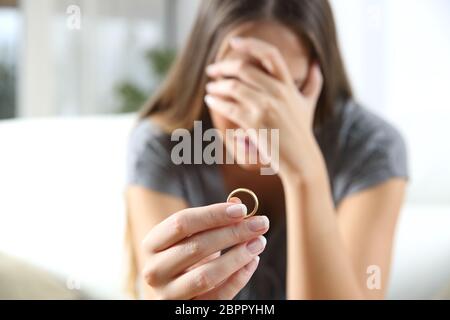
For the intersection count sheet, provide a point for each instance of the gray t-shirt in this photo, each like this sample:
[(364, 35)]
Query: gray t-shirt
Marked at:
[(360, 150)]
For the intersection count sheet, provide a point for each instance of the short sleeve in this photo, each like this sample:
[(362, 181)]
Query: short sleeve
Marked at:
[(375, 152), (148, 161)]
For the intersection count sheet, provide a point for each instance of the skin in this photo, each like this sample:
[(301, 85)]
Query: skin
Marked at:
[(273, 85)]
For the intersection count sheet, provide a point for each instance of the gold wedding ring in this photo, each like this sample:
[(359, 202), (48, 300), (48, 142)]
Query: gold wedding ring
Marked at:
[(250, 192)]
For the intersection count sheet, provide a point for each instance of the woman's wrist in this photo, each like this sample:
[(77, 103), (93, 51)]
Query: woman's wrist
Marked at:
[(301, 179), (307, 165)]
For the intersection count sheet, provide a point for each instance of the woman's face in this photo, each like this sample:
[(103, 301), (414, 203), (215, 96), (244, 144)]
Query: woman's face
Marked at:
[(296, 57)]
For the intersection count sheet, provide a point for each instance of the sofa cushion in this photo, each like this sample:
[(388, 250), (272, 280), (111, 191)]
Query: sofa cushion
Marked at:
[(21, 280)]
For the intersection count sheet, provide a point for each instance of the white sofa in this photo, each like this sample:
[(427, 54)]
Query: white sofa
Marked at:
[(62, 208)]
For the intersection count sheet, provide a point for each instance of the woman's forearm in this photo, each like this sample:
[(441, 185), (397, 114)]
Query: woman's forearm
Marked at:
[(296, 273), (318, 266)]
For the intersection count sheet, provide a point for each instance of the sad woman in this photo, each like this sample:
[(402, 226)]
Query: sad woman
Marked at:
[(327, 217)]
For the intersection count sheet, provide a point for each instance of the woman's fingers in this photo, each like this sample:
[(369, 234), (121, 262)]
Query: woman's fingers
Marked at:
[(204, 260), (233, 285), (206, 277), (251, 107), (171, 262), (235, 200), (240, 104), (268, 55), (190, 221), (229, 109), (238, 91), (247, 73)]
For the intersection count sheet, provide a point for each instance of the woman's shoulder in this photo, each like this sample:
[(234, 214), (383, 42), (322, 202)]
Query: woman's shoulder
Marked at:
[(367, 150), (149, 159), (149, 135), (356, 128), (359, 124)]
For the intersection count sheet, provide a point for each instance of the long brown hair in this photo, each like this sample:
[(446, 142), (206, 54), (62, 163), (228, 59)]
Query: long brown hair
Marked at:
[(180, 98), (179, 101)]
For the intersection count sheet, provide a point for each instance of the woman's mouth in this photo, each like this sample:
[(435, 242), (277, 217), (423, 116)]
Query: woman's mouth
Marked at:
[(245, 145), (245, 140)]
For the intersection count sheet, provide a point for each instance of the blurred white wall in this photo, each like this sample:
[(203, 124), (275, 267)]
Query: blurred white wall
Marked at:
[(397, 53), (417, 90)]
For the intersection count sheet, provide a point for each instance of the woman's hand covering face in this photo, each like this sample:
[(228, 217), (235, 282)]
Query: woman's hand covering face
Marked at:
[(266, 98)]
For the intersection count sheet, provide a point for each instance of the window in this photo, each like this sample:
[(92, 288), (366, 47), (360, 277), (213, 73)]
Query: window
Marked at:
[(9, 47)]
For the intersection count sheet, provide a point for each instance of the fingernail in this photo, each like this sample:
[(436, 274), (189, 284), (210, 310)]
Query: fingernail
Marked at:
[(209, 100), (236, 210), (209, 86), (257, 245), (258, 223), (210, 69)]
